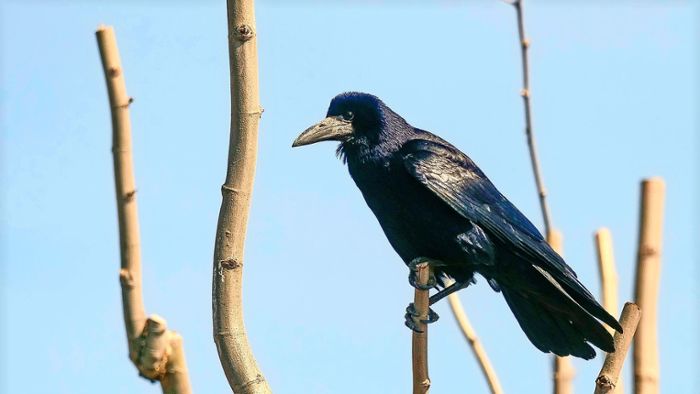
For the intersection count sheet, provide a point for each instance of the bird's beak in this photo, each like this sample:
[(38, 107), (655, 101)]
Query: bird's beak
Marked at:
[(333, 128)]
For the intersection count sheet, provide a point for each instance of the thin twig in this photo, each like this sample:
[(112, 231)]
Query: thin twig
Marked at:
[(156, 351), (646, 351), (419, 341), (230, 336), (529, 132), (609, 374), (608, 281), (564, 371), (477, 348)]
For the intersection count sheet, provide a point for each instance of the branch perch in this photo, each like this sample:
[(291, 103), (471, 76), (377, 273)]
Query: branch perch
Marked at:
[(419, 342), (477, 348), (646, 351), (609, 374), (156, 352), (564, 371), (230, 336)]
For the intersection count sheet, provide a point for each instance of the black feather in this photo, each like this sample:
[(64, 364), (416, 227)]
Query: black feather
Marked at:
[(432, 201)]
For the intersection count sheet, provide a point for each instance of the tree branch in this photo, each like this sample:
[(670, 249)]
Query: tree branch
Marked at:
[(230, 336), (529, 133), (156, 351), (609, 374), (646, 352), (419, 342), (477, 348)]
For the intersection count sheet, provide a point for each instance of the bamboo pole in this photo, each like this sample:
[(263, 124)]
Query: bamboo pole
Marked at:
[(564, 371), (156, 351), (646, 352), (608, 281), (477, 348), (419, 340), (230, 336), (612, 366)]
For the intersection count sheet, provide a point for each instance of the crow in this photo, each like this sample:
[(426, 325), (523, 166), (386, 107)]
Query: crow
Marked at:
[(434, 204)]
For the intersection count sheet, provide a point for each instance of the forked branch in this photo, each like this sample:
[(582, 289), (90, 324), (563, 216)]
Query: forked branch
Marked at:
[(156, 351)]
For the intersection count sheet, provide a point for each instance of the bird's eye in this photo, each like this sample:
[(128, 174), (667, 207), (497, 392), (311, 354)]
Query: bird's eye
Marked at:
[(348, 116)]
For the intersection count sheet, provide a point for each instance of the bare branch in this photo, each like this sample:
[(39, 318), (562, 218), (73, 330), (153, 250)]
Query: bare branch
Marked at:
[(421, 379), (609, 374), (646, 351), (156, 351), (230, 336), (477, 348), (529, 132)]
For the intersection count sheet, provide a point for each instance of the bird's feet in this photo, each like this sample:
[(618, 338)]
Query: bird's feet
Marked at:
[(413, 317), (413, 274)]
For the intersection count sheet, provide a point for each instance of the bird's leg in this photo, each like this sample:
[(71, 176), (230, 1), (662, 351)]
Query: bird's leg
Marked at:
[(412, 275), (412, 317), (456, 286)]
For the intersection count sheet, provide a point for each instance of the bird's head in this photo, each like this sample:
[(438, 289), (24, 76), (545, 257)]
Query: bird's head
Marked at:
[(353, 119)]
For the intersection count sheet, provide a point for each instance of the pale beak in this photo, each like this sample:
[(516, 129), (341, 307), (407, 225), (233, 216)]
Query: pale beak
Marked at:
[(333, 128)]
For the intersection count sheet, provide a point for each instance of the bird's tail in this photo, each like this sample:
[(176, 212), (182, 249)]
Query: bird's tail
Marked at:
[(553, 320)]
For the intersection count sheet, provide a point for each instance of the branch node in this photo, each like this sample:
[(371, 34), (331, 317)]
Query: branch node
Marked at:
[(230, 264), (226, 189), (605, 382), (114, 72), (243, 33), (129, 196), (126, 279), (259, 379)]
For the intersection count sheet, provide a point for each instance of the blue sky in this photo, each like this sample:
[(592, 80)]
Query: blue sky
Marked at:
[(614, 89)]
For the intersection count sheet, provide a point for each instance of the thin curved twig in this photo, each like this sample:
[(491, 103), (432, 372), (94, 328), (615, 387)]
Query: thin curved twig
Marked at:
[(529, 132), (230, 336), (477, 348)]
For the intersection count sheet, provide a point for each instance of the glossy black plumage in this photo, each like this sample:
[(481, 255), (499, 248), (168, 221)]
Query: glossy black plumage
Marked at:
[(433, 202)]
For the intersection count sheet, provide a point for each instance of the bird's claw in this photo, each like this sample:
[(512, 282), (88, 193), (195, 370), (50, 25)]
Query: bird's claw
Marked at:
[(413, 318), (413, 276)]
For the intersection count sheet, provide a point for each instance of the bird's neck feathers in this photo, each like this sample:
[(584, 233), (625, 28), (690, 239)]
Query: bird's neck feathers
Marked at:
[(378, 144)]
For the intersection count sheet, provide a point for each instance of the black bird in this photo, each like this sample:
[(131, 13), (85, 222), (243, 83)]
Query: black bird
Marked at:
[(434, 204)]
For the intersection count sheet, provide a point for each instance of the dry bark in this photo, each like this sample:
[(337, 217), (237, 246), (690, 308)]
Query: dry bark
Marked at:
[(609, 374)]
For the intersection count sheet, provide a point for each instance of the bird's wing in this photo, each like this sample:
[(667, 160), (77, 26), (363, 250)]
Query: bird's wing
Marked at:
[(456, 180)]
